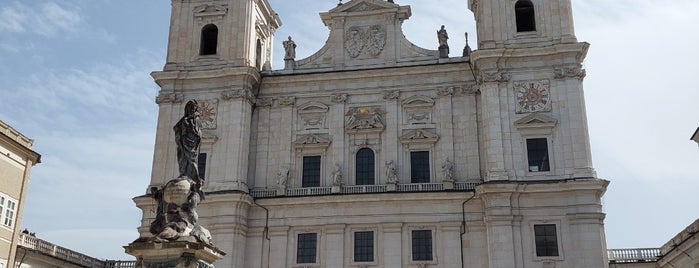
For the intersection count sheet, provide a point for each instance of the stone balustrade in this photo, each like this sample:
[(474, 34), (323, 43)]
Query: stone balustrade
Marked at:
[(364, 189), (48, 248), (633, 255)]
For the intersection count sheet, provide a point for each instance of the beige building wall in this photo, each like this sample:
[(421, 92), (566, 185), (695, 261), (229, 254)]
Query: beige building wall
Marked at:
[(469, 118), (16, 160)]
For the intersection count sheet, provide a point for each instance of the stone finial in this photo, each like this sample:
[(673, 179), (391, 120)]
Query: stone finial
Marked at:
[(467, 48)]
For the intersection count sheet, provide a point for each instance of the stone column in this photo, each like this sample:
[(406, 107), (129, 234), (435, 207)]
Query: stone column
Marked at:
[(278, 247), (570, 79), (334, 245), (492, 125), (451, 247), (389, 146), (235, 138), (588, 240), (446, 140), (164, 156), (501, 251)]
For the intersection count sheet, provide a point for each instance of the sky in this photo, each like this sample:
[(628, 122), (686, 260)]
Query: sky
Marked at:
[(75, 77)]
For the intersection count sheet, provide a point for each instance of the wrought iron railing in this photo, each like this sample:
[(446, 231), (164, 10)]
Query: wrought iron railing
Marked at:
[(633, 255), (48, 248)]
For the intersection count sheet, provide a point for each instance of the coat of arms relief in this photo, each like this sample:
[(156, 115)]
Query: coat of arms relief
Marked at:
[(368, 39)]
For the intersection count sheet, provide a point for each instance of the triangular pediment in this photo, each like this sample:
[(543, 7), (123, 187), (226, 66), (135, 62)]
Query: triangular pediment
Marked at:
[(311, 140), (213, 9), (536, 120), (363, 5), (419, 136)]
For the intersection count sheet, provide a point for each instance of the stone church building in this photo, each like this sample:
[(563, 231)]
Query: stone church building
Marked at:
[(374, 152)]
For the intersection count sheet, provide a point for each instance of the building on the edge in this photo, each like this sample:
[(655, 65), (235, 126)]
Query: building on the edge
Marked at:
[(374, 152), (16, 160), (682, 251)]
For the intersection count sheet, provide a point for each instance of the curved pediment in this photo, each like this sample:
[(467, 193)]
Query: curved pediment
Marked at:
[(366, 34)]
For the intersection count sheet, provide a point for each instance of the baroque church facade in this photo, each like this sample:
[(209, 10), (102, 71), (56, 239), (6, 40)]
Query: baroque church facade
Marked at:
[(374, 152)]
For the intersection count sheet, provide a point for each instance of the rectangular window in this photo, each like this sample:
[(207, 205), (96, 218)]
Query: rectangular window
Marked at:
[(545, 239), (538, 155), (364, 246), (306, 248), (311, 171), (9, 213), (420, 167), (422, 245), (201, 162)]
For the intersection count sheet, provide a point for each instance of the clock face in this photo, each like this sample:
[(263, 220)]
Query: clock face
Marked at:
[(532, 96)]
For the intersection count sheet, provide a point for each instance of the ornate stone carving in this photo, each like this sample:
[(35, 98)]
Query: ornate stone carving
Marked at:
[(286, 101), (532, 96), (447, 91), (365, 118), (493, 77), (310, 141), (354, 43), (469, 89), (391, 172), (391, 95), (283, 176), (448, 170), (337, 175), (312, 115), (419, 136), (339, 98), (238, 94), (571, 72), (418, 109), (207, 113), (206, 14), (264, 102), (375, 39), (169, 97)]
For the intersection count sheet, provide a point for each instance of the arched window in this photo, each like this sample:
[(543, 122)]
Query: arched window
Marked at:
[(258, 55), (524, 13), (209, 40), (364, 170)]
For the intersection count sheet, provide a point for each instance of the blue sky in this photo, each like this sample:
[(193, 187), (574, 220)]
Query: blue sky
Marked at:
[(74, 76)]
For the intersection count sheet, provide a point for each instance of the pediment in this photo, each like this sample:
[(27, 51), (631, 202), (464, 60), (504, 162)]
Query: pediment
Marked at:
[(310, 141), (363, 5), (418, 101), (313, 107), (419, 136), (536, 120)]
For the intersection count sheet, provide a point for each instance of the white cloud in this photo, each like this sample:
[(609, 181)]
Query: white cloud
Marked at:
[(46, 19)]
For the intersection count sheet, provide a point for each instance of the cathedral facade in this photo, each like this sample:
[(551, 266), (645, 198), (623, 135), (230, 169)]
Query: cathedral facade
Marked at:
[(374, 152)]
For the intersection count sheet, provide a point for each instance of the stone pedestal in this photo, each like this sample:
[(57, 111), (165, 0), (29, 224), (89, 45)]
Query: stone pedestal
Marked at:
[(182, 253), (391, 187), (281, 191), (336, 189), (448, 184), (444, 51), (289, 64)]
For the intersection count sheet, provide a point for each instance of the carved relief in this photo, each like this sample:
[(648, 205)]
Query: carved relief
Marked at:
[(447, 91), (312, 115), (365, 118), (206, 14), (207, 113), (376, 40), (418, 110), (354, 42), (339, 98), (571, 72), (391, 95), (286, 101), (491, 77), (419, 136), (169, 98), (532, 96), (311, 141), (264, 102)]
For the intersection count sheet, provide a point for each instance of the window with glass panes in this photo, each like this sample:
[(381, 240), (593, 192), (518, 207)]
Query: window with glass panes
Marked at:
[(420, 167), (422, 245), (201, 164), (364, 246), (9, 213), (311, 171), (546, 240), (538, 155), (364, 169), (306, 248)]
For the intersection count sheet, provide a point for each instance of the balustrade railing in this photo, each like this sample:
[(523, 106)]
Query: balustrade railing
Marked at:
[(308, 191), (357, 189), (360, 189), (420, 187), (633, 255), (263, 192), (31, 242)]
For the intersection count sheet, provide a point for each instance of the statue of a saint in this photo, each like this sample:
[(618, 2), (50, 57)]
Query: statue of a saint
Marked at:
[(283, 176), (188, 139), (448, 170), (442, 37), (337, 175), (391, 174), (290, 49)]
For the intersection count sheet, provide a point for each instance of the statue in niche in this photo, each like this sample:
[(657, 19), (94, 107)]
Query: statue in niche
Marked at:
[(337, 175), (448, 170), (176, 215), (391, 173), (442, 37), (283, 176), (289, 49)]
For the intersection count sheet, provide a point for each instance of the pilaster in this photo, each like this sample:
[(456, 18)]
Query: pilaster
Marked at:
[(491, 83)]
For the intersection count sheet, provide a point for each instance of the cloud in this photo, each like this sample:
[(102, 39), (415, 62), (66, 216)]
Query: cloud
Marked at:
[(46, 19)]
